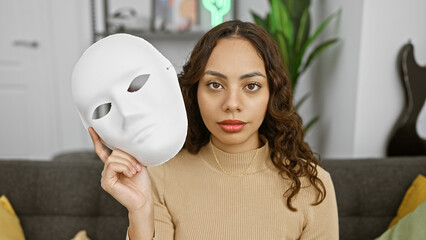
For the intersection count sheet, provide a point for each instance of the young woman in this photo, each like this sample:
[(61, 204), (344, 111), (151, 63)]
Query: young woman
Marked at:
[(245, 171)]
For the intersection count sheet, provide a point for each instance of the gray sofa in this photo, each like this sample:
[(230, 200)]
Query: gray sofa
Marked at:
[(55, 199)]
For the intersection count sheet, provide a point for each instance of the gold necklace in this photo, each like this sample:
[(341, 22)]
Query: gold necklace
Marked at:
[(229, 174)]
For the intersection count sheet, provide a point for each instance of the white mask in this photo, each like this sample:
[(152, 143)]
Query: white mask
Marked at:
[(147, 122)]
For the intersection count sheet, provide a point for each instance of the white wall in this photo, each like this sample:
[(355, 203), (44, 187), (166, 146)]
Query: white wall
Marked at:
[(387, 26), (356, 87), (332, 80), (71, 35)]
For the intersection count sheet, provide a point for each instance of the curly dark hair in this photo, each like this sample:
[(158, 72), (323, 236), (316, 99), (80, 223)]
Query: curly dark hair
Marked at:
[(282, 126)]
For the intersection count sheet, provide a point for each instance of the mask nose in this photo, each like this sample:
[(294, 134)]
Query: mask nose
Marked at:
[(125, 109), (129, 110)]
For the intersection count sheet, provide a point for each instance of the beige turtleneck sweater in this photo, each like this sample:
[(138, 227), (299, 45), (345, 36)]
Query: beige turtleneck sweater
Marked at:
[(194, 199)]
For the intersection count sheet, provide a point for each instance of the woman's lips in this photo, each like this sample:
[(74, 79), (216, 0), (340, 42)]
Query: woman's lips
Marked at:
[(232, 126)]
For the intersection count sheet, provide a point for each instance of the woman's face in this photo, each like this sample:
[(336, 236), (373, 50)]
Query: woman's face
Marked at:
[(233, 95)]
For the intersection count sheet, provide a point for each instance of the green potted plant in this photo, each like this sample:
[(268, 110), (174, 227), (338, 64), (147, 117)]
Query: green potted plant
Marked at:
[(288, 22)]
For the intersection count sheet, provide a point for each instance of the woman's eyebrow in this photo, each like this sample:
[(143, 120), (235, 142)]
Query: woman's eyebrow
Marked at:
[(252, 74), (214, 73), (247, 75)]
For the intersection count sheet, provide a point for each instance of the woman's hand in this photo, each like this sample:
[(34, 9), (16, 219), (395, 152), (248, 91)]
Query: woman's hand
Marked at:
[(124, 177)]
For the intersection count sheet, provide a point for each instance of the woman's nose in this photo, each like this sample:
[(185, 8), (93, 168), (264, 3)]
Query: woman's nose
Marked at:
[(232, 102)]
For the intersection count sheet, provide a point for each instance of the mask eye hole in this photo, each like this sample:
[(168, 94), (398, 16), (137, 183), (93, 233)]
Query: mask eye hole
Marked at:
[(138, 82), (101, 111)]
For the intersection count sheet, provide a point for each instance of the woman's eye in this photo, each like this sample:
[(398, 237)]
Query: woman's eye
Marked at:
[(214, 85), (252, 86)]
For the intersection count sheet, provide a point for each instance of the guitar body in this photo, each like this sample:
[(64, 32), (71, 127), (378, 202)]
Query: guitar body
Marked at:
[(404, 140)]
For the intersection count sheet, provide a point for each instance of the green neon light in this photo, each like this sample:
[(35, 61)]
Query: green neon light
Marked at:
[(217, 9)]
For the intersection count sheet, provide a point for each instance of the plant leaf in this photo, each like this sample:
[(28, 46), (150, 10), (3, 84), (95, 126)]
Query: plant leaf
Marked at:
[(301, 30), (267, 24), (288, 26), (302, 34), (294, 80), (296, 7), (280, 20), (318, 31), (302, 100), (322, 26), (281, 41), (311, 123), (274, 16), (258, 20), (318, 50)]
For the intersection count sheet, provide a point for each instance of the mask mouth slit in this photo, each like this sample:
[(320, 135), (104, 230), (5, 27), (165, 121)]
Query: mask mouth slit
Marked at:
[(101, 111)]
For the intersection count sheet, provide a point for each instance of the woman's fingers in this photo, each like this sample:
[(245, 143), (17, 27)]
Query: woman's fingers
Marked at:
[(134, 168), (116, 156), (111, 171), (128, 157), (99, 147)]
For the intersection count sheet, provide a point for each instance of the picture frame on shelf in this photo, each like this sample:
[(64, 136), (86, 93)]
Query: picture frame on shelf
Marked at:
[(129, 15), (155, 19), (175, 15)]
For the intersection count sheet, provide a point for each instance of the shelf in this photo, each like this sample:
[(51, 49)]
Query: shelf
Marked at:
[(195, 35)]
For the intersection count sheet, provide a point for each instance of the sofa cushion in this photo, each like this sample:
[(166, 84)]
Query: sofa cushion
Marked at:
[(414, 196), (76, 156), (369, 191), (56, 199), (82, 235), (49, 188), (10, 227), (410, 227)]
